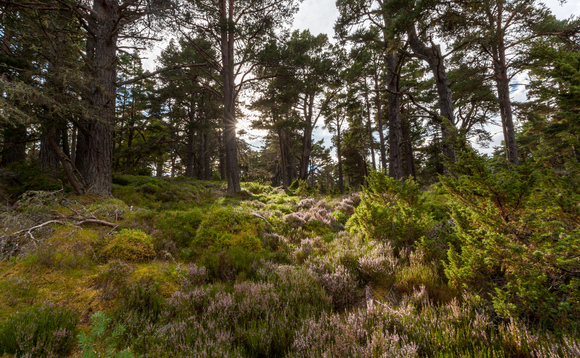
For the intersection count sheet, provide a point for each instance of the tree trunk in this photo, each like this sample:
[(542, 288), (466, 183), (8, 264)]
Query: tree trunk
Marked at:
[(395, 132), (339, 154), (73, 147), (370, 132), (379, 106), (283, 159), (49, 161), (227, 48), (432, 55), (96, 146), (206, 155), (409, 157), (190, 148), (307, 139), (222, 155), (505, 107), (74, 177)]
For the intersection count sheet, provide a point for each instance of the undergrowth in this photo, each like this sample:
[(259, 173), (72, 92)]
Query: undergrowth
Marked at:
[(480, 265)]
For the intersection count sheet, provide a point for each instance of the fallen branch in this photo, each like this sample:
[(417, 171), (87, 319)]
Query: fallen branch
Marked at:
[(28, 231)]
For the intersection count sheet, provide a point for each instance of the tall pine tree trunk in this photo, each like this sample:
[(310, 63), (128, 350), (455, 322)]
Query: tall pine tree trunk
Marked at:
[(339, 155), (370, 132), (307, 138), (395, 131), (379, 105), (505, 107), (227, 48), (95, 146)]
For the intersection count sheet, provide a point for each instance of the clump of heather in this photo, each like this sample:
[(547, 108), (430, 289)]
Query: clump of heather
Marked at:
[(195, 276), (353, 335), (250, 319), (46, 330), (306, 203), (378, 262), (113, 279), (314, 216)]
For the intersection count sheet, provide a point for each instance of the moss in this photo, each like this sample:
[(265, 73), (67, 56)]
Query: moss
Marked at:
[(179, 226), (129, 245), (227, 227)]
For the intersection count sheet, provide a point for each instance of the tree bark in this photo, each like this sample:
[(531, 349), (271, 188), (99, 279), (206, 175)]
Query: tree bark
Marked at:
[(503, 90), (409, 157), (307, 138), (190, 147), (339, 155), (370, 132), (49, 161), (74, 177), (227, 49), (378, 104), (95, 146), (395, 131)]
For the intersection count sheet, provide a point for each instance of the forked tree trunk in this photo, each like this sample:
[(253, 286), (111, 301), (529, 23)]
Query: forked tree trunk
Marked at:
[(432, 55)]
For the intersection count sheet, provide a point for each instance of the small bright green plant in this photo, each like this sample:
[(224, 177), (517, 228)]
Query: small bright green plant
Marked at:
[(130, 245), (101, 342)]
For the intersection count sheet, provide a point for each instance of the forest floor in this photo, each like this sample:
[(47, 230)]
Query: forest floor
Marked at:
[(177, 267)]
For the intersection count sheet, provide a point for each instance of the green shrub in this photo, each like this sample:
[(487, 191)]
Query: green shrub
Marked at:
[(46, 330), (519, 238), (29, 176), (301, 187), (391, 210), (256, 187), (129, 245)]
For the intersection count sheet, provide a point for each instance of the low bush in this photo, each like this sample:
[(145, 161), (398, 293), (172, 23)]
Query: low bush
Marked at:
[(129, 245), (519, 239), (248, 319), (45, 330), (391, 210)]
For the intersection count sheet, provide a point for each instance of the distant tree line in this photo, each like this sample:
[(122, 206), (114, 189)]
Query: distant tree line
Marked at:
[(404, 81)]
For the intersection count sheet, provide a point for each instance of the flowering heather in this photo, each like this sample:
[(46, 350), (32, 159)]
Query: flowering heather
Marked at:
[(195, 276), (306, 203), (342, 287), (379, 262), (312, 215)]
